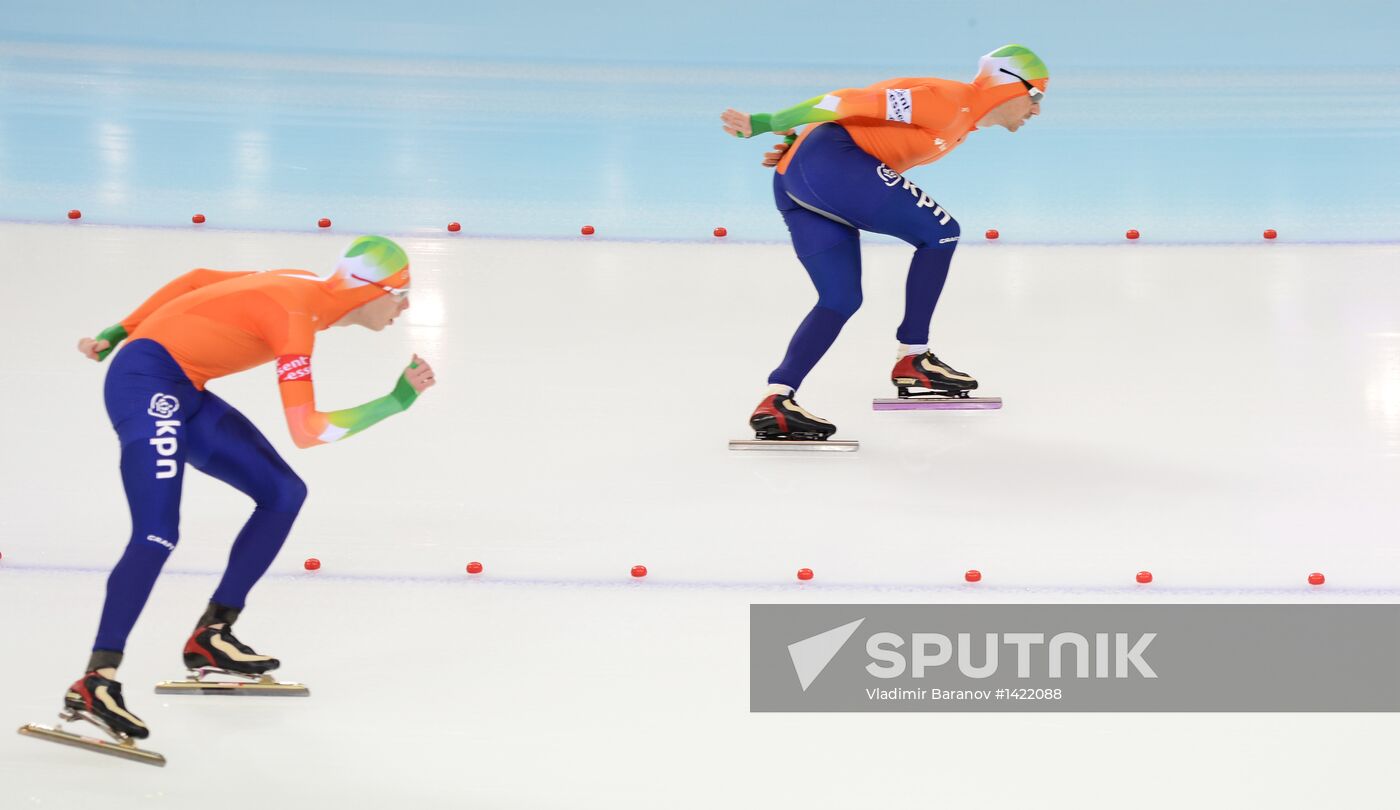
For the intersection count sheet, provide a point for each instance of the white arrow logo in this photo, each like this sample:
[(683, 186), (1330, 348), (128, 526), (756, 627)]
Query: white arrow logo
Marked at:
[(811, 655)]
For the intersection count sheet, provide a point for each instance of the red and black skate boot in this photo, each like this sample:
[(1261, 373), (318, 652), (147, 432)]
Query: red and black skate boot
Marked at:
[(215, 648), (931, 376), (98, 700), (779, 416)]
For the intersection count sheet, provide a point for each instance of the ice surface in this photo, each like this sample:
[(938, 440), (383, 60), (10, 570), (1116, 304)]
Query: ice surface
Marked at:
[(1226, 417)]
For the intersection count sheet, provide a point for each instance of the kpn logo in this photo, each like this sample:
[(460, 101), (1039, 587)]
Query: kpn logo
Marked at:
[(979, 655)]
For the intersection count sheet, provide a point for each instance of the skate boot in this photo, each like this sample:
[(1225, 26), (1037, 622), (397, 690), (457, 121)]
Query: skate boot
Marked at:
[(931, 376), (215, 648), (780, 417), (212, 652), (98, 700)]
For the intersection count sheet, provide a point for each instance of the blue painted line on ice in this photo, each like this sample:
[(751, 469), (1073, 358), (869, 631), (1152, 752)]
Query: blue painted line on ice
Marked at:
[(441, 234), (1310, 592)]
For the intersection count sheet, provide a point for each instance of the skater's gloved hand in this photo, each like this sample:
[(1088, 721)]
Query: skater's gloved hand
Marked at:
[(770, 159), (99, 347), (94, 350), (419, 375), (743, 125)]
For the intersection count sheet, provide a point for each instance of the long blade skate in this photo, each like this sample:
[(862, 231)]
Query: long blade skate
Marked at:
[(199, 682), (799, 445), (122, 745), (937, 402)]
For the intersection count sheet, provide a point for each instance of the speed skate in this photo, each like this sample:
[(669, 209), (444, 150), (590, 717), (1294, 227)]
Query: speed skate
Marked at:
[(121, 745), (216, 681), (220, 664), (779, 423), (937, 402), (799, 445), (926, 383)]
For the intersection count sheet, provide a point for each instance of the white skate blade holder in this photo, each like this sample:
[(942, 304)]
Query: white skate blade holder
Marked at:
[(199, 682), (795, 445), (124, 747), (938, 403)]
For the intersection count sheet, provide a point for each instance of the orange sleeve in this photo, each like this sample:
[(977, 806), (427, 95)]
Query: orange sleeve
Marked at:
[(917, 105), (189, 282), (309, 426)]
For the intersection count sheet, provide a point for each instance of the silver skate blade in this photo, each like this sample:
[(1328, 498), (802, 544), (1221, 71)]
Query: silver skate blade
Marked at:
[(125, 750), (795, 445), (196, 684), (935, 403)]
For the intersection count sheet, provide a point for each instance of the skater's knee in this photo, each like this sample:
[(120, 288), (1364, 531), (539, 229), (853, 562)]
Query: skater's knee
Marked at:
[(940, 233), (286, 495), (154, 539), (283, 492), (844, 302)]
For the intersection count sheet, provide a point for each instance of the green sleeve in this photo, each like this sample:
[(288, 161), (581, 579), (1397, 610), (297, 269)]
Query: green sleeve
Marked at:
[(804, 113), (353, 420), (403, 392), (114, 335)]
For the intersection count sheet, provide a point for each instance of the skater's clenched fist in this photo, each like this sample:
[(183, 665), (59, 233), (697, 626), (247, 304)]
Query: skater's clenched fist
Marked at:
[(419, 374), (92, 349), (771, 159)]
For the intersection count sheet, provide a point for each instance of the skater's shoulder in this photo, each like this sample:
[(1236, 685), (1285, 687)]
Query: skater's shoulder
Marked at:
[(270, 296), (931, 82), (218, 282), (288, 286), (289, 277)]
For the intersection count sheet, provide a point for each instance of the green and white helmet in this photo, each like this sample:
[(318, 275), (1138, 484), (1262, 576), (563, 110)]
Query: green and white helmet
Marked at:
[(1012, 64), (374, 260)]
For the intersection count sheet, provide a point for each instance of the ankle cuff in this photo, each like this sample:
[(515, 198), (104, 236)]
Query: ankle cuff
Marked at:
[(102, 659), (218, 614)]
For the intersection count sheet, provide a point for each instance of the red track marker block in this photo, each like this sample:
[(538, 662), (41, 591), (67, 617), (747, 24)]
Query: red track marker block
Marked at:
[(586, 230), (311, 564), (721, 232), (804, 574), (197, 219), (1316, 579), (993, 233), (75, 214), (1271, 234), (323, 223), (454, 226), (973, 575), (639, 571), (1133, 234), (1144, 577), (473, 568)]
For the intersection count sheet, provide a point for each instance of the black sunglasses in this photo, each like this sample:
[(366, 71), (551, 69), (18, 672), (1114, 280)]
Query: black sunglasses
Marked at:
[(1035, 92)]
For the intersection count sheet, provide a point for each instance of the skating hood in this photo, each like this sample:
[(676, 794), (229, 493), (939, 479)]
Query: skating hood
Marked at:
[(992, 88), (370, 264)]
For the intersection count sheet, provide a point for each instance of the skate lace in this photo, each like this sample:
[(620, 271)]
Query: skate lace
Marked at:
[(933, 358), (229, 637)]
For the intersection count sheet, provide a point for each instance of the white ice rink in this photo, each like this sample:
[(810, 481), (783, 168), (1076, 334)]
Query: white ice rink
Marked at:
[(1225, 417)]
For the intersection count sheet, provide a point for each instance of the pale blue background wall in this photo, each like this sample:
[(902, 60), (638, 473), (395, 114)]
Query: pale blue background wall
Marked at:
[(1192, 121)]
